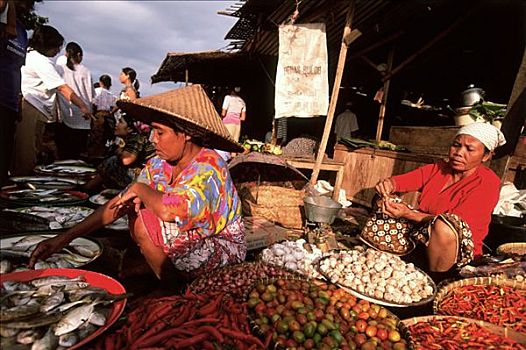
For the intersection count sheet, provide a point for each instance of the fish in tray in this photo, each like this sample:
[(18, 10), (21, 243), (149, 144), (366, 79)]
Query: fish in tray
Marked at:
[(13, 222), (15, 253), (64, 217), (47, 182), (47, 313), (58, 217), (67, 169), (39, 195)]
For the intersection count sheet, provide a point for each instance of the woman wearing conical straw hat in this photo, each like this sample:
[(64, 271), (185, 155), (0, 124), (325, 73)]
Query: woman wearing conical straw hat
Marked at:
[(184, 210)]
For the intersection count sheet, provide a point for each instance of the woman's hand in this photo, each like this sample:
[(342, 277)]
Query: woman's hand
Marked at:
[(385, 187), (395, 210), (45, 248), (128, 198)]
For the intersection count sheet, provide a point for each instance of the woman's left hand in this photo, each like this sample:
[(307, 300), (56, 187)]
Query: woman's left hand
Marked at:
[(395, 210), (128, 198)]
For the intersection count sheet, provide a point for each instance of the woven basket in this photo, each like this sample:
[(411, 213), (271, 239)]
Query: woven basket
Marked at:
[(444, 289), (277, 204), (502, 331), (510, 249)]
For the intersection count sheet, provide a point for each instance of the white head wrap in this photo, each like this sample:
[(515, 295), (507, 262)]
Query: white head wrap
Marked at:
[(490, 136)]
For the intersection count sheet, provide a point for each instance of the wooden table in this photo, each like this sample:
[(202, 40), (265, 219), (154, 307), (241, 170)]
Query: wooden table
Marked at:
[(327, 164), (364, 167)]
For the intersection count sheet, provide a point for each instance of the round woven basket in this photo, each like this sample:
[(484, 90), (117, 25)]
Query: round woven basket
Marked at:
[(510, 249), (501, 331), (481, 281)]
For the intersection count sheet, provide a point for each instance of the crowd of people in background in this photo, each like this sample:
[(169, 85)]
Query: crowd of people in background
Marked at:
[(51, 109)]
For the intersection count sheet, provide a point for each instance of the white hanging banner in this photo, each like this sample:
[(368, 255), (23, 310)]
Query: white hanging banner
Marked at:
[(302, 84)]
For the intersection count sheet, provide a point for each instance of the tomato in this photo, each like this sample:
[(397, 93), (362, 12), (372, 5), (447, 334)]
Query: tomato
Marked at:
[(344, 312), (382, 333), (399, 346), (271, 288), (394, 336), (260, 308), (294, 326), (319, 314), (260, 287), (252, 302), (302, 319), (361, 325), (368, 346), (329, 341), (282, 327), (309, 329), (322, 329), (254, 295), (291, 343), (298, 336), (360, 338), (382, 313), (363, 315), (371, 331), (308, 344)]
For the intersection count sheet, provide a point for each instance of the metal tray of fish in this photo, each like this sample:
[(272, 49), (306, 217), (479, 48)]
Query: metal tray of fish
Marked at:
[(47, 182), (46, 197), (59, 169), (15, 252), (60, 218), (57, 308), (104, 196)]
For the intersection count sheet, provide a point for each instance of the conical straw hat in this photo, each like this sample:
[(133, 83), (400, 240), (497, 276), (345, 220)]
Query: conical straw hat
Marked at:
[(188, 109)]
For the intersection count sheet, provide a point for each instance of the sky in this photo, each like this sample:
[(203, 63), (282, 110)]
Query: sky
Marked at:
[(138, 34)]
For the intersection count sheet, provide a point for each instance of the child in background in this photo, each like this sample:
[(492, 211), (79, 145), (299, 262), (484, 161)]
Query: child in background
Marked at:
[(130, 154), (103, 124)]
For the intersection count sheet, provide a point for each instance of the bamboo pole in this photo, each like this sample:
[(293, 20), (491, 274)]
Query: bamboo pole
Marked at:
[(387, 83), (335, 93)]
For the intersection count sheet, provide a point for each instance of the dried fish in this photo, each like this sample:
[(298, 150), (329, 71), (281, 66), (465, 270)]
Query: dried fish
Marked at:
[(39, 282)]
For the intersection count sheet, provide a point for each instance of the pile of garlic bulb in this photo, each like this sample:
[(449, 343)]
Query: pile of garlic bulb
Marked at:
[(293, 256), (378, 275)]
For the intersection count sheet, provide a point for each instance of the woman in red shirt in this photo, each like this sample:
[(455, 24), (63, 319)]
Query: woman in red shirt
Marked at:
[(457, 198)]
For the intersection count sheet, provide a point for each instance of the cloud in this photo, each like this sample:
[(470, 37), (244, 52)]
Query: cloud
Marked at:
[(138, 34)]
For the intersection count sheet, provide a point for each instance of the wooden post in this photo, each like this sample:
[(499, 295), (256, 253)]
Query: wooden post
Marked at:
[(186, 77), (387, 83), (335, 93)]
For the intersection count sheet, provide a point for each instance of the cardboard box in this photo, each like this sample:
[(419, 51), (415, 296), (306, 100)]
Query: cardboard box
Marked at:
[(261, 233)]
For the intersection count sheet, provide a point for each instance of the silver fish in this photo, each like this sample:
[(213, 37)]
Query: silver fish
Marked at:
[(28, 336), (35, 322), (5, 266), (97, 318), (74, 319), (67, 306), (39, 282), (27, 242), (78, 294), (18, 312), (84, 250), (48, 342), (68, 339), (41, 265), (86, 329), (6, 332), (52, 302), (10, 253)]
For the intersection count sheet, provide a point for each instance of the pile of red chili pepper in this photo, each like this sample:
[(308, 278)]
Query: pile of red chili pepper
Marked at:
[(501, 305), (191, 321), (452, 334)]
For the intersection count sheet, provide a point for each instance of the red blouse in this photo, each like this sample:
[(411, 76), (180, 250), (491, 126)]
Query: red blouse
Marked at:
[(473, 198)]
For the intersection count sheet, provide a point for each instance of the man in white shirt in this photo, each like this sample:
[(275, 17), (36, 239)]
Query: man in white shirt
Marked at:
[(346, 123)]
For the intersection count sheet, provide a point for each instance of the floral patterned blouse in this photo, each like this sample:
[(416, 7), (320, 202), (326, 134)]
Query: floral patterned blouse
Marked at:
[(204, 204)]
